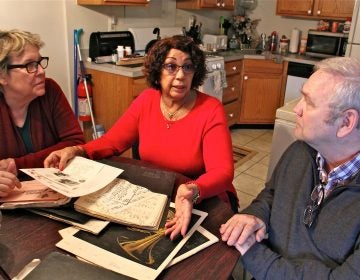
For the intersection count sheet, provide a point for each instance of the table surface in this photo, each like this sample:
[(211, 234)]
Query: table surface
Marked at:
[(25, 236)]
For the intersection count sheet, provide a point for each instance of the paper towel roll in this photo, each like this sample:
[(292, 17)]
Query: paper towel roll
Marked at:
[(294, 41)]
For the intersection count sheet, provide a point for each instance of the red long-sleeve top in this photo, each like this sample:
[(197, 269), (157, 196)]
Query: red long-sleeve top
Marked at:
[(53, 126), (197, 146)]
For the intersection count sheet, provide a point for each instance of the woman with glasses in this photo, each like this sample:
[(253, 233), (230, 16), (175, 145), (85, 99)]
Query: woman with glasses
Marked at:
[(35, 116), (176, 126)]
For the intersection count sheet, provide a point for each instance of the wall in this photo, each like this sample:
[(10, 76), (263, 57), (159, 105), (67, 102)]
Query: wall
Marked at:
[(55, 21)]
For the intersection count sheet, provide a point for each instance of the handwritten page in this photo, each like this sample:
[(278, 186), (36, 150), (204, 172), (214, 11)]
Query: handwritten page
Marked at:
[(80, 177), (125, 203)]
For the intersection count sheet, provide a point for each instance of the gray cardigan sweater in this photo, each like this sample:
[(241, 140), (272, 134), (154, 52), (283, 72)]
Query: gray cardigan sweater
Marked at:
[(327, 250)]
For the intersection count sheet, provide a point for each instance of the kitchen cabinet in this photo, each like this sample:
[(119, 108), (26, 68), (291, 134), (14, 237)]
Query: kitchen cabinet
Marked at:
[(262, 90), (231, 94), (337, 9), (114, 2), (210, 4), (112, 95)]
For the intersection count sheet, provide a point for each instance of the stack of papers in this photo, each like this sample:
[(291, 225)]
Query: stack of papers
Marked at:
[(136, 253)]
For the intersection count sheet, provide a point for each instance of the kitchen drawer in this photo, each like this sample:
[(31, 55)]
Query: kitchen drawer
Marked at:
[(262, 66), (232, 111), (233, 67), (139, 84), (232, 92)]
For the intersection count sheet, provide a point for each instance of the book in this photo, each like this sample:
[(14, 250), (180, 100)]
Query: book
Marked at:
[(33, 194), (125, 203), (133, 252)]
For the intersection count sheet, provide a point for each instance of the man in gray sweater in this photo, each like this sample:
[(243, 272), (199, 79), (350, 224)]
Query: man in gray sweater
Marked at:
[(305, 224)]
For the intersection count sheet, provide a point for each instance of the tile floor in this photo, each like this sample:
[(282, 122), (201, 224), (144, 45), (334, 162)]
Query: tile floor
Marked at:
[(249, 178)]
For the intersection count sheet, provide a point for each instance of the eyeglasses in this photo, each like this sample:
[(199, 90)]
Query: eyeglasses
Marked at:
[(317, 197), (173, 68), (32, 66)]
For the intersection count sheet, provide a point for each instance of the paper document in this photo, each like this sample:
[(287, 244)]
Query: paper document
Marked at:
[(80, 177)]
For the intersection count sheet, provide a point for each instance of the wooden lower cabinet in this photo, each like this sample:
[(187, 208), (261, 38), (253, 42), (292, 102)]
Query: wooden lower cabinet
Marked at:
[(112, 95), (262, 91), (231, 94)]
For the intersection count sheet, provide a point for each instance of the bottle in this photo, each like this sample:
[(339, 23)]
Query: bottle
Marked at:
[(302, 49), (273, 42), (120, 52), (114, 57), (233, 43), (128, 51)]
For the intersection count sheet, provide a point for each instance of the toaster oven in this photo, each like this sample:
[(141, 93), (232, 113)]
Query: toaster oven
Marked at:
[(105, 43)]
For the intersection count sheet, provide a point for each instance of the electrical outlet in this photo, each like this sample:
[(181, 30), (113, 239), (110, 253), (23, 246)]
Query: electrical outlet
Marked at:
[(113, 20)]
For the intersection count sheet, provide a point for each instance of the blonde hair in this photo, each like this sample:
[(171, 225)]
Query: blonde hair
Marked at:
[(13, 42)]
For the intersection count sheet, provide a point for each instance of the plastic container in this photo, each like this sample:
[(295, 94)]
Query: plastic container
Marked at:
[(128, 51), (120, 52)]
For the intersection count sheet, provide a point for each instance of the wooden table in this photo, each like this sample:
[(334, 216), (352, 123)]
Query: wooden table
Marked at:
[(25, 236)]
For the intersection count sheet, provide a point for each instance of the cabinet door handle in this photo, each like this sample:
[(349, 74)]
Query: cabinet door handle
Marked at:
[(234, 68), (309, 12), (318, 12), (231, 115), (246, 78), (232, 88)]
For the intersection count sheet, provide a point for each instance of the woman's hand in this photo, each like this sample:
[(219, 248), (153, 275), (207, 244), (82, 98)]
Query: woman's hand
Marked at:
[(59, 159), (183, 209), (9, 165), (8, 179)]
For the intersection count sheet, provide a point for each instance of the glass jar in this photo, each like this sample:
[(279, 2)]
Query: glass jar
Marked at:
[(284, 46)]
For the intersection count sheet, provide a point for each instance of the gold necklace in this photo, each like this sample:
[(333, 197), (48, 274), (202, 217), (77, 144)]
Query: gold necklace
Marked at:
[(169, 114)]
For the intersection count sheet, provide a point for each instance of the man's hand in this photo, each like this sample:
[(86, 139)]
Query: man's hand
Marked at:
[(183, 209), (242, 231), (60, 158)]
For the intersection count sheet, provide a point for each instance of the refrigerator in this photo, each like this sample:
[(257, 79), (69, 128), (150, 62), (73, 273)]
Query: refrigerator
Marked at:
[(353, 45)]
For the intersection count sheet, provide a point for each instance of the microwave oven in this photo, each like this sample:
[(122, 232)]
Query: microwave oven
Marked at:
[(326, 44)]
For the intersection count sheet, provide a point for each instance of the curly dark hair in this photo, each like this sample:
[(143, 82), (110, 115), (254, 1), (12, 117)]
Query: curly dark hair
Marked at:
[(157, 54)]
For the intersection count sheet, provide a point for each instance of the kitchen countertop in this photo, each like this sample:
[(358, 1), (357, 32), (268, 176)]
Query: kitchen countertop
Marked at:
[(228, 55), (127, 71)]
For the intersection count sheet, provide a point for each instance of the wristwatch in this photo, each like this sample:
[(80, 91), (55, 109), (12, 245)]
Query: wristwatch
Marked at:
[(196, 194)]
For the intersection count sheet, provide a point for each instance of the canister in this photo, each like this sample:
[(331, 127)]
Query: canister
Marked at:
[(284, 45)]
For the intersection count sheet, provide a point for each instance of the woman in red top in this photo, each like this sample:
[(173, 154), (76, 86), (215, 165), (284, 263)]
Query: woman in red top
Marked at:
[(177, 127), (35, 116)]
